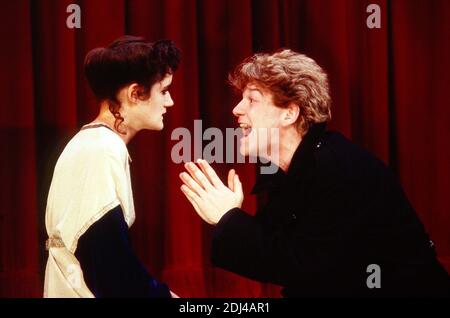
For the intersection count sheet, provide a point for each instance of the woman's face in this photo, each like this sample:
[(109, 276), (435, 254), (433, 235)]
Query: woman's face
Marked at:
[(148, 113)]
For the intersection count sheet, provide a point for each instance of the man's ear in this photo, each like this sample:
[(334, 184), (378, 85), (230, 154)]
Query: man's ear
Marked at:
[(290, 115), (133, 92)]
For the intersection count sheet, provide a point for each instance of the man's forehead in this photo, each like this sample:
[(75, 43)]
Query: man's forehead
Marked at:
[(254, 88)]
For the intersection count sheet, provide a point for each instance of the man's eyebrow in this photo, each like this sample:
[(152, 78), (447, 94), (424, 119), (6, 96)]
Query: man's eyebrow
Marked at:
[(255, 90), (166, 87)]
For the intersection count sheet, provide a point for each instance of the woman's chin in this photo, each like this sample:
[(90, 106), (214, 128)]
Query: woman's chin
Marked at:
[(158, 126)]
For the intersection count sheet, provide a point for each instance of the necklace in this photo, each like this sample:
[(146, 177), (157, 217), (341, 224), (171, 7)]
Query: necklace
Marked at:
[(97, 124), (102, 124)]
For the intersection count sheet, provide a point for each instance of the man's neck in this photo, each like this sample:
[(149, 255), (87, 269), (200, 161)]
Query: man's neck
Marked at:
[(288, 145)]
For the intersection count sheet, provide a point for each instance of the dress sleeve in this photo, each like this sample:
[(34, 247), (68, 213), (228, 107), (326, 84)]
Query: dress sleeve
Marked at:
[(110, 266)]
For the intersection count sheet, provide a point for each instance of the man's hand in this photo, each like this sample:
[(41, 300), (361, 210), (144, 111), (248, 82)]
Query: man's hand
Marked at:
[(173, 295), (206, 192)]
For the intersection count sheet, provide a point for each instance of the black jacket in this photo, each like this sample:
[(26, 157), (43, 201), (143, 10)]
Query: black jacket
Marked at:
[(336, 211)]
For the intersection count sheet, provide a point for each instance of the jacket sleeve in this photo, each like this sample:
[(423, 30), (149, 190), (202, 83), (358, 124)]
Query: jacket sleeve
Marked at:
[(241, 244), (244, 244), (110, 267)]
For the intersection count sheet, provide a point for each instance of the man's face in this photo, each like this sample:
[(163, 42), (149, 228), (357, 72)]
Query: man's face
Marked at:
[(148, 113), (257, 115)]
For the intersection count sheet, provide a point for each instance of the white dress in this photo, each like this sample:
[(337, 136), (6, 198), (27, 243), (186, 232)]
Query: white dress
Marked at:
[(91, 177)]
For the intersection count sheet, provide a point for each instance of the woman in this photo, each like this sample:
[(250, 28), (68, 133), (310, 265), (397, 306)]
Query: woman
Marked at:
[(90, 202)]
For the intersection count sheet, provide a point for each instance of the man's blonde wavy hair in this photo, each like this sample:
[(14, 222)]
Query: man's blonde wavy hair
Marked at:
[(290, 77)]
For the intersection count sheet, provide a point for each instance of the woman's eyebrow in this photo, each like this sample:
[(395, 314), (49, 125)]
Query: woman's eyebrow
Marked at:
[(166, 87)]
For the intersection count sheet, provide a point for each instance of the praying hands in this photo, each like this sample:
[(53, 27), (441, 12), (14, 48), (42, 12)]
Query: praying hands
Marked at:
[(208, 195)]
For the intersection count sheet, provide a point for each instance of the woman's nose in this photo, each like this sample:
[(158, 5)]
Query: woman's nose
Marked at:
[(168, 102)]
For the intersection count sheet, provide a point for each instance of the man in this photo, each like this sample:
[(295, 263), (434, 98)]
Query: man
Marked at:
[(336, 223)]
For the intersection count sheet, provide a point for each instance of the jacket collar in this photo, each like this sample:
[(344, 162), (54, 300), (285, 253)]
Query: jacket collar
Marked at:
[(301, 159)]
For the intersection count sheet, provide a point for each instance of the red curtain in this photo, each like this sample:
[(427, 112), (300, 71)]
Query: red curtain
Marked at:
[(389, 88)]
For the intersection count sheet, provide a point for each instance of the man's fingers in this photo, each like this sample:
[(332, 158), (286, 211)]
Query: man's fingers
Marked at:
[(231, 175), (194, 199), (196, 173), (192, 184), (209, 171), (191, 196), (189, 169)]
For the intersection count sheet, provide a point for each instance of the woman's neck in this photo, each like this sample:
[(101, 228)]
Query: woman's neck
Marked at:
[(105, 117)]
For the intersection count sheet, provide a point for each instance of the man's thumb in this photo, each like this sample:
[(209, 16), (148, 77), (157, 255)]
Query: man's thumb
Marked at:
[(237, 185)]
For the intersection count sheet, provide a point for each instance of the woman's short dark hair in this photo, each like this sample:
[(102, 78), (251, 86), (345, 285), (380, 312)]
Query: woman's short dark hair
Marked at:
[(128, 60)]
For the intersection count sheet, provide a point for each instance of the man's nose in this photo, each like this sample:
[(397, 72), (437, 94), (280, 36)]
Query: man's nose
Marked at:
[(239, 109)]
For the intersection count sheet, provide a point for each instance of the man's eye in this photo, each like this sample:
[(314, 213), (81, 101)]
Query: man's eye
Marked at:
[(165, 92)]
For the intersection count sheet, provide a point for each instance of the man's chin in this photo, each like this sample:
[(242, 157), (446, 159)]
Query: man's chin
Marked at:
[(244, 151)]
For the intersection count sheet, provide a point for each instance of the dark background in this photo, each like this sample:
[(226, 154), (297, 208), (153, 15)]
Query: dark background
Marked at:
[(390, 90)]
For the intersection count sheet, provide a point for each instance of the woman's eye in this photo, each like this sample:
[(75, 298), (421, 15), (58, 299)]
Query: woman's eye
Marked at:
[(165, 92)]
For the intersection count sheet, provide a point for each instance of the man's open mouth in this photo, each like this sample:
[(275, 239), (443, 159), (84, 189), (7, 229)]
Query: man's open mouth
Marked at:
[(246, 129)]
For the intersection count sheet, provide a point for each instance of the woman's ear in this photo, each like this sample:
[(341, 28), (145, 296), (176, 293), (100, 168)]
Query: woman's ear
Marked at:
[(291, 113), (133, 92)]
